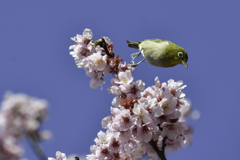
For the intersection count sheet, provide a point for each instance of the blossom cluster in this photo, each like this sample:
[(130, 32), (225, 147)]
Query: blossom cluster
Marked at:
[(89, 55), (140, 116), (19, 115)]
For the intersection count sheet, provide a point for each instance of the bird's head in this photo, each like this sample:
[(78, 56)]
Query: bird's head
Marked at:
[(183, 57), (179, 54)]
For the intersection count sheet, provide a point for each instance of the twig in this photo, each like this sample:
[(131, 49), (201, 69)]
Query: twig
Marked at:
[(33, 141), (106, 49), (161, 153)]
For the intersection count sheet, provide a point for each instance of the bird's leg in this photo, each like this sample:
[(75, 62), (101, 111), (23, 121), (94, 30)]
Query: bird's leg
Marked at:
[(135, 55), (134, 65)]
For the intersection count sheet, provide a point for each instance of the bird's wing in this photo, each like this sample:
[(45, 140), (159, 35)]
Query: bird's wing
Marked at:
[(156, 40)]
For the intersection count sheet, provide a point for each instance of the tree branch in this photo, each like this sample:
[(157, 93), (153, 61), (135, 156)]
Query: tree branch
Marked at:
[(161, 153), (33, 141), (110, 55)]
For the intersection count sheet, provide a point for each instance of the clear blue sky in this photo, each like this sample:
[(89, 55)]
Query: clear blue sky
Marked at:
[(34, 59)]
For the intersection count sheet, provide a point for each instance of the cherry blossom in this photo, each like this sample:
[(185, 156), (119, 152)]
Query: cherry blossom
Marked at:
[(156, 114)]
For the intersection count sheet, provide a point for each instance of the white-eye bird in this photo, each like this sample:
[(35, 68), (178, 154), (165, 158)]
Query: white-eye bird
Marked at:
[(159, 52)]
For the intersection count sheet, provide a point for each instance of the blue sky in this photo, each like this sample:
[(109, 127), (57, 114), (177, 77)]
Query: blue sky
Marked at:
[(34, 59)]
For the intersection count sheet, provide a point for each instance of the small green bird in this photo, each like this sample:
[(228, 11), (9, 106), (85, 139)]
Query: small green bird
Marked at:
[(159, 52)]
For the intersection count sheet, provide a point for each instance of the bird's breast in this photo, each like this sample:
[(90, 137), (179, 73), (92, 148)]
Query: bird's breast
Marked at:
[(154, 52)]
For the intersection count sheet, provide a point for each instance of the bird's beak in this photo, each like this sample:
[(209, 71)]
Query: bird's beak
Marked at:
[(184, 63)]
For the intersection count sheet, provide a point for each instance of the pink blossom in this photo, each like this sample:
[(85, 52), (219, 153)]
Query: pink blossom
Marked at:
[(116, 101), (141, 113), (114, 142), (125, 77), (134, 149), (97, 60), (125, 136), (144, 132), (87, 33), (106, 122), (171, 130), (59, 156), (96, 80), (123, 121), (157, 82), (115, 90), (20, 113), (172, 145), (102, 138), (103, 152), (168, 104), (133, 90), (123, 67), (151, 105), (10, 150), (83, 46), (91, 157), (175, 88)]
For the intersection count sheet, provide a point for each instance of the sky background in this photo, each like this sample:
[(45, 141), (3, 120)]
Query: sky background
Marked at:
[(34, 59)]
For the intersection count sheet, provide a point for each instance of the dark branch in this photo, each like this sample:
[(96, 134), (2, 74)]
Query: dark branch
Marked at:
[(77, 158), (110, 55), (164, 145), (161, 153), (33, 141)]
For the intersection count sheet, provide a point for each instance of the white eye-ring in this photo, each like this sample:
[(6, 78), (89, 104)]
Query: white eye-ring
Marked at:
[(180, 54)]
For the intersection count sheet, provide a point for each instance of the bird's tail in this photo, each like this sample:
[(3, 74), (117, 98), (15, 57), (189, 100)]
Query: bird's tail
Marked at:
[(133, 44)]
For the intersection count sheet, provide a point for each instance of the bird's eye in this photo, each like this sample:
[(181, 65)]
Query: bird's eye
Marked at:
[(180, 54)]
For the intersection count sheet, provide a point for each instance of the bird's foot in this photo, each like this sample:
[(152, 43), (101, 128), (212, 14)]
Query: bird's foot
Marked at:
[(135, 55), (133, 64)]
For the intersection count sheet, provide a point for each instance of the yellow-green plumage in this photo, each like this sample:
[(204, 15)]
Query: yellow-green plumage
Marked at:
[(160, 53)]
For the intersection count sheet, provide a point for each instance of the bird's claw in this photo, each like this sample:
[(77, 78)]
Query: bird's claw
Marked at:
[(135, 55), (133, 64)]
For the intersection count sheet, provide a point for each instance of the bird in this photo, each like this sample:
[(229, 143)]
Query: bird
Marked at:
[(159, 52)]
